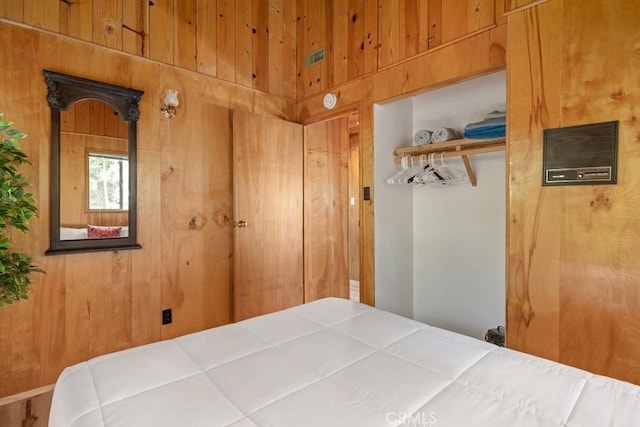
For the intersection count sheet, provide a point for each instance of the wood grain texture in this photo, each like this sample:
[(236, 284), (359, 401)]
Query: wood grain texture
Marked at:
[(533, 308), (268, 195), (435, 23), (276, 57), (135, 27), (309, 40), (89, 304), (601, 91), (76, 20), (107, 24), (289, 52), (260, 30), (367, 225), (206, 37), (423, 25), (248, 42), (185, 38), (354, 197), (369, 43), (161, 29), (348, 29), (572, 283), (357, 41), (338, 27), (42, 13), (399, 30), (326, 209), (468, 57), (226, 40), (244, 40), (12, 10)]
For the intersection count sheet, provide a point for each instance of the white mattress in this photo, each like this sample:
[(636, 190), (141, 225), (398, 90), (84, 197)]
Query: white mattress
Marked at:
[(334, 363)]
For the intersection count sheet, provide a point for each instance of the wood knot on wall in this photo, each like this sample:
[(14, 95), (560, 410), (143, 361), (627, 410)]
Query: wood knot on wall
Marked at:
[(599, 201), (109, 29), (166, 173), (617, 95), (197, 222), (222, 216)]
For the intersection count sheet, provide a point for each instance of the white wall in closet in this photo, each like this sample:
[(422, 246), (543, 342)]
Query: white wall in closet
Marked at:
[(459, 230), (393, 207)]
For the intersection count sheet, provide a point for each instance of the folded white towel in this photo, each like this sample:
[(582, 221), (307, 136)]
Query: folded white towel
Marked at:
[(444, 134), (422, 137)]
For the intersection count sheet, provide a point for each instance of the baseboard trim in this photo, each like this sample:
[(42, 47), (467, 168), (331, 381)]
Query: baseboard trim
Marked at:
[(25, 395)]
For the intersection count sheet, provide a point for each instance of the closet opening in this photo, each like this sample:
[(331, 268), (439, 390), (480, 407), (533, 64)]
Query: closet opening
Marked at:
[(440, 243)]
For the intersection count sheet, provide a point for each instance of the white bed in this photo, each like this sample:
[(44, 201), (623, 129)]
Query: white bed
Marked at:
[(334, 362)]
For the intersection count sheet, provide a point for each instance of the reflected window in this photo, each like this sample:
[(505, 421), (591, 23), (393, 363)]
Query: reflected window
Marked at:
[(108, 181)]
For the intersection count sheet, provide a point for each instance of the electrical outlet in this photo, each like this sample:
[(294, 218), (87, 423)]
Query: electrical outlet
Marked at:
[(166, 316)]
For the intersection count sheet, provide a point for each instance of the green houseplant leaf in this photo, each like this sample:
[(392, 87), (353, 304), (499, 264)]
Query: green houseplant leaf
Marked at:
[(17, 208)]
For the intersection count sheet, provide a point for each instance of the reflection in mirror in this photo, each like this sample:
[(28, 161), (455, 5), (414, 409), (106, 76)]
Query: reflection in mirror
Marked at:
[(93, 165), (94, 172)]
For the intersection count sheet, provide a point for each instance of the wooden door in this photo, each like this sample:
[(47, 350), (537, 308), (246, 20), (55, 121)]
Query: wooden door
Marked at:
[(267, 193), (326, 209)]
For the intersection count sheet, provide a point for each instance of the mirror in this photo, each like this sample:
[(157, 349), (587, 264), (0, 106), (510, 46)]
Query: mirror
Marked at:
[(93, 165)]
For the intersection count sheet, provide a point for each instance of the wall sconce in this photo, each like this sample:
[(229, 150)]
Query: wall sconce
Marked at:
[(169, 104)]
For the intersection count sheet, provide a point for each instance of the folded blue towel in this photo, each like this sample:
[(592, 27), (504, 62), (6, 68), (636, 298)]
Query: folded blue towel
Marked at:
[(486, 123), (487, 132)]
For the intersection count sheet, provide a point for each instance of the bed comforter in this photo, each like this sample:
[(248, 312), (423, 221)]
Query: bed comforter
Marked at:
[(334, 362)]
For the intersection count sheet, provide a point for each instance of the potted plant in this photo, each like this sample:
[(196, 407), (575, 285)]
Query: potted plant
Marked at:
[(17, 207)]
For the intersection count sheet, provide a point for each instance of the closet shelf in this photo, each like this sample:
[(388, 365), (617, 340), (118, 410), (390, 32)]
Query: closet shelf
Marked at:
[(453, 148), (456, 148)]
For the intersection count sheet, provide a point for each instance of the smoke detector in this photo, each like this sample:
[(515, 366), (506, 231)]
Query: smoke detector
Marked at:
[(330, 100)]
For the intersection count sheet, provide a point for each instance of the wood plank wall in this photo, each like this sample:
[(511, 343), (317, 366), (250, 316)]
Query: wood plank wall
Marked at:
[(93, 303), (248, 42), (573, 268), (262, 44), (363, 36)]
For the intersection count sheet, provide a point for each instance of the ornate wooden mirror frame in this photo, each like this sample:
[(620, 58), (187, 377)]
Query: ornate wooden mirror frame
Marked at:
[(63, 92)]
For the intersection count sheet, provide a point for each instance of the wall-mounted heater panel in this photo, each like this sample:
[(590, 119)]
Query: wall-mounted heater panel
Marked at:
[(585, 154)]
